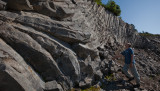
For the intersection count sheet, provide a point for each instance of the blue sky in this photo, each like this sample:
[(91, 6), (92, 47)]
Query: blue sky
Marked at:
[(144, 14)]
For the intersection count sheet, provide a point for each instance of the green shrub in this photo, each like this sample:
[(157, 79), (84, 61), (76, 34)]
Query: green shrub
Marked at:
[(99, 2), (146, 34), (92, 89), (111, 6), (110, 77)]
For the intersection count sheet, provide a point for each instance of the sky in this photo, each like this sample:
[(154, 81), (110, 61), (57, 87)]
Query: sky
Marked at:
[(144, 14)]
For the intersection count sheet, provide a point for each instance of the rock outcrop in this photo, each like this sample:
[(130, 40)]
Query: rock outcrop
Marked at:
[(56, 45)]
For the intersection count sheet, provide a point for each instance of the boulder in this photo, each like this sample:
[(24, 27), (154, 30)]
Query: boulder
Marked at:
[(83, 51), (86, 70)]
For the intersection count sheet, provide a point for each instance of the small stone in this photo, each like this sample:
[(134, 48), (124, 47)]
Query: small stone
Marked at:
[(136, 89), (84, 85)]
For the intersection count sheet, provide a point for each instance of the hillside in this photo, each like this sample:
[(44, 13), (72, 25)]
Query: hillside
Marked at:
[(61, 45)]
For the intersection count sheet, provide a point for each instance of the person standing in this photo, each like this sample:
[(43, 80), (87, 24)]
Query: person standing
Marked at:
[(129, 64)]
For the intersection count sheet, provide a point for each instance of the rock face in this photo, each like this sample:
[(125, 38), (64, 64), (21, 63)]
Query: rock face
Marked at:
[(56, 45), (2, 5), (15, 73), (53, 86), (19, 5)]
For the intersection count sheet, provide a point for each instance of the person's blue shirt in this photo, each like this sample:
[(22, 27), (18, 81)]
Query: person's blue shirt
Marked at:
[(127, 54)]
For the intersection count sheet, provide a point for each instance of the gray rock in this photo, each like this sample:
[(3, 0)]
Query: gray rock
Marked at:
[(117, 69), (18, 75), (136, 89), (53, 86), (63, 55), (52, 10), (32, 52), (55, 28), (97, 76), (86, 70), (2, 5), (83, 51), (19, 5), (84, 85), (103, 55), (65, 42)]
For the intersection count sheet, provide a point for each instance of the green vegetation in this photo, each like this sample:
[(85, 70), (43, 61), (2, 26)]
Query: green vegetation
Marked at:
[(110, 77), (110, 6), (147, 34), (92, 89), (99, 2), (113, 7)]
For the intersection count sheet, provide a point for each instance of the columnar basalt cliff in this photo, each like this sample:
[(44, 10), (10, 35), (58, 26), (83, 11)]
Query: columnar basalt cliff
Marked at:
[(56, 45)]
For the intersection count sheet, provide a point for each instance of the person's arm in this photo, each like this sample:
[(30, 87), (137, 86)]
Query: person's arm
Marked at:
[(117, 56), (131, 64), (132, 57)]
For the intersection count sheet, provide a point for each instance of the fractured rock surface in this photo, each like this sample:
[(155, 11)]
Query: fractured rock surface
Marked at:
[(56, 45)]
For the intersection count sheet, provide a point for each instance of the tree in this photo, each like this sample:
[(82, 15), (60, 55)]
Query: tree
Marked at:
[(99, 2), (113, 7)]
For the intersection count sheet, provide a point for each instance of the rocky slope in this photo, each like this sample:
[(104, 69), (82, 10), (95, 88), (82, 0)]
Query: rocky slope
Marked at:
[(50, 45)]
